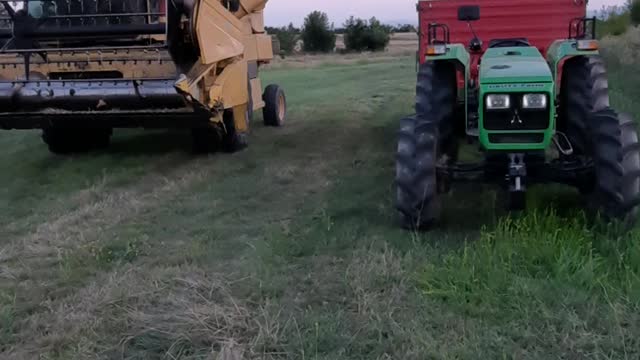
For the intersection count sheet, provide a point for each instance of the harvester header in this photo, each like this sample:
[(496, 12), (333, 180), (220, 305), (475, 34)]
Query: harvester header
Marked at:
[(79, 68)]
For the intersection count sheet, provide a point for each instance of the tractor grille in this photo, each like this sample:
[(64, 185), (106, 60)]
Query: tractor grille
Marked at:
[(516, 138), (517, 118)]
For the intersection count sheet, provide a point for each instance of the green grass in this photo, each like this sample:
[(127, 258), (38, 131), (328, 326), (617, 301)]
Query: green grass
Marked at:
[(289, 250)]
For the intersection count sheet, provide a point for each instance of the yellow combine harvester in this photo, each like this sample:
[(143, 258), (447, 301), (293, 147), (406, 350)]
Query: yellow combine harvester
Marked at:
[(79, 68)]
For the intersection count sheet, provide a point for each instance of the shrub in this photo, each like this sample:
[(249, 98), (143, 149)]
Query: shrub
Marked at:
[(361, 35), (406, 28), (317, 34), (634, 8), (613, 20), (287, 37)]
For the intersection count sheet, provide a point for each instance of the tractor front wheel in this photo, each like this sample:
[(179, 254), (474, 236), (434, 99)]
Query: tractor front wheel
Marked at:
[(424, 141)]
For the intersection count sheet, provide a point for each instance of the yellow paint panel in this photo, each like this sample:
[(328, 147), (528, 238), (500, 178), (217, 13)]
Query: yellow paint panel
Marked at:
[(265, 47), (256, 94), (249, 6), (230, 87), (240, 118), (257, 22), (219, 33), (251, 48), (246, 25)]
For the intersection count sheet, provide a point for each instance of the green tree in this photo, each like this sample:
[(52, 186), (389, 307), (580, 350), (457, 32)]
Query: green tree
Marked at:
[(318, 34), (362, 35), (288, 37), (634, 9)]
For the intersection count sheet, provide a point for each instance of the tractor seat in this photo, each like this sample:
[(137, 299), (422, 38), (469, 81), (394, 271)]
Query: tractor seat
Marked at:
[(512, 42)]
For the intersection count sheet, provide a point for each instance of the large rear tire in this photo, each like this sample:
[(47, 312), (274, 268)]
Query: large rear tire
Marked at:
[(585, 89), (616, 157), (423, 142)]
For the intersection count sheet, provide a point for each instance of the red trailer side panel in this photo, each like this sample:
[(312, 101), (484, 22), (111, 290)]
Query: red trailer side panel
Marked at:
[(540, 21)]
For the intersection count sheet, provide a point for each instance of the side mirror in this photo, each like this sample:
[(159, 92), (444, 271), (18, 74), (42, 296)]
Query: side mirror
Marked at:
[(469, 13)]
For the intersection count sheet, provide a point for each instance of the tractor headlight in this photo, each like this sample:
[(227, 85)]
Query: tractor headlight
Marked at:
[(498, 102), (534, 101)]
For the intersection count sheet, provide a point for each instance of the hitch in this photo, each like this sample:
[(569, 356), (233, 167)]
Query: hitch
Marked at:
[(516, 178)]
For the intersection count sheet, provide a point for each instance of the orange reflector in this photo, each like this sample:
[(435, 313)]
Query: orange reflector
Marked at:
[(587, 45), (437, 50)]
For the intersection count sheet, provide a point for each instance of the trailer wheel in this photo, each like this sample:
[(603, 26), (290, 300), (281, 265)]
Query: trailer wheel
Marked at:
[(422, 143), (585, 89), (616, 157), (275, 110)]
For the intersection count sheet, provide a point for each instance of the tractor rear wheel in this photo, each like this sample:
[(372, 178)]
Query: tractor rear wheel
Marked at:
[(616, 157), (585, 89), (423, 142)]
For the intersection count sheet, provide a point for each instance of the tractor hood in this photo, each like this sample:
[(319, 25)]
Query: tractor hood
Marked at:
[(514, 65)]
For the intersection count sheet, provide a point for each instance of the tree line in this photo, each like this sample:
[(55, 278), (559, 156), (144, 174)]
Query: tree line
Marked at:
[(615, 20), (318, 35)]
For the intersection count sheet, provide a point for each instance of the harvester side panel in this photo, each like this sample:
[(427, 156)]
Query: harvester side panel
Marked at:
[(540, 21)]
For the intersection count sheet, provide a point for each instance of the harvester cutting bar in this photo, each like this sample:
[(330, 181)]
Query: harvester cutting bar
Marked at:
[(116, 102), (90, 94)]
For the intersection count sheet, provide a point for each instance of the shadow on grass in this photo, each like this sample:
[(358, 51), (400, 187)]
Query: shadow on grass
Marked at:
[(150, 142)]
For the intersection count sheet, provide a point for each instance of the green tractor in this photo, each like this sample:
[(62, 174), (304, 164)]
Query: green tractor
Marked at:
[(539, 112)]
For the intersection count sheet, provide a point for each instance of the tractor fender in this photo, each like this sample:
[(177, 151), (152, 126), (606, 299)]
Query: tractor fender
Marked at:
[(457, 53), (558, 53)]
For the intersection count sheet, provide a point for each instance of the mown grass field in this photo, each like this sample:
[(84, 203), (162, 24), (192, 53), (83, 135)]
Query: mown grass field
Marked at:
[(289, 250)]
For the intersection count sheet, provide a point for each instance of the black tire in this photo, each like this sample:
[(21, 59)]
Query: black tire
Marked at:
[(616, 157), (206, 140), (422, 142), (215, 137), (65, 141), (585, 89), (275, 109), (232, 140), (250, 103), (631, 167)]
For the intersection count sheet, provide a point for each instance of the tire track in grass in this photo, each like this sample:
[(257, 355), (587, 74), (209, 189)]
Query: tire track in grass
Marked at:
[(79, 226), (184, 320)]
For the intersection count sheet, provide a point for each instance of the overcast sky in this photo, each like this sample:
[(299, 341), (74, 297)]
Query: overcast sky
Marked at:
[(282, 12)]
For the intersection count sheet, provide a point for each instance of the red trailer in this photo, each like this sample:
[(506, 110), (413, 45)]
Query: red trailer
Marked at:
[(539, 21)]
